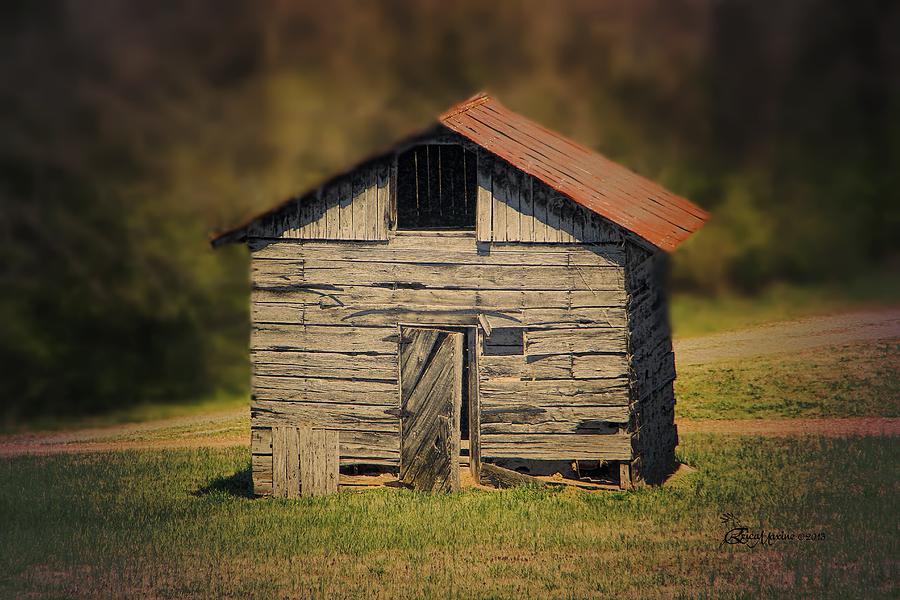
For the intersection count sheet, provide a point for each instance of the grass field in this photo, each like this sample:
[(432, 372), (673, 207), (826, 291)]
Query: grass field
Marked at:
[(843, 381), (700, 315), (181, 524)]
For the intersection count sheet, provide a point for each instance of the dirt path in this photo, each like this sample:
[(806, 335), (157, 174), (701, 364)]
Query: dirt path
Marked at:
[(828, 426), (231, 428), (37, 445), (790, 336)]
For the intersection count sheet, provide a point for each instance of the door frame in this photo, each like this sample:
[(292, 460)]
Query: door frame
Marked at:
[(472, 341)]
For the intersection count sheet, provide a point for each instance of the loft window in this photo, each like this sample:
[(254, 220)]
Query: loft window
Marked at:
[(436, 187)]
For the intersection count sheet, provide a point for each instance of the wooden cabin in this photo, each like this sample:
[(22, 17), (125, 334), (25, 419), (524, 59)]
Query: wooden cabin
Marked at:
[(484, 292)]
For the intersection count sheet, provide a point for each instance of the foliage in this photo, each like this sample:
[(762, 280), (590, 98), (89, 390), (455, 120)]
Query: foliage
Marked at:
[(132, 130), (177, 524)]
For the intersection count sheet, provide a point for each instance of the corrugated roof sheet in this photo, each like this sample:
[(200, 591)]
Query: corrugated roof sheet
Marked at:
[(590, 179), (611, 190)]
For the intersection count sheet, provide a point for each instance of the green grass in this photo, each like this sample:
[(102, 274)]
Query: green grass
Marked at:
[(845, 381), (180, 524), (700, 315)]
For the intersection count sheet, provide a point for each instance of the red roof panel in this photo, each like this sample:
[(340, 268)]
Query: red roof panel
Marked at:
[(590, 179)]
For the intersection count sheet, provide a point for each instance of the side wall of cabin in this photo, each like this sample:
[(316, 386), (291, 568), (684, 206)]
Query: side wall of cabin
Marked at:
[(548, 276), (652, 364)]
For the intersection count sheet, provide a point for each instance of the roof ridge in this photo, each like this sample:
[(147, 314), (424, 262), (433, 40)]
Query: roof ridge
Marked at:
[(475, 100)]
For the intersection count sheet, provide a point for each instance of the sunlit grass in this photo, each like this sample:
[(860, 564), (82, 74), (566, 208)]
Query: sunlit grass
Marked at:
[(179, 523), (844, 381), (700, 315)]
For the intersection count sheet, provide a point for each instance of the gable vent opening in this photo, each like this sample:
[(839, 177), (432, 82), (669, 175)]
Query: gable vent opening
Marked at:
[(436, 187)]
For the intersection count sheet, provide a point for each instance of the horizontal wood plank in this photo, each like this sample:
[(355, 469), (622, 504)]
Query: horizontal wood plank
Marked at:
[(281, 274), (547, 393), (315, 338), (350, 296), (324, 364), (310, 389), (330, 415), (518, 417), (377, 315), (424, 251), (550, 446), (578, 340)]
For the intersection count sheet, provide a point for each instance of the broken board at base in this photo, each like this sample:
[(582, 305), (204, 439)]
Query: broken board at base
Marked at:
[(431, 376), (305, 462)]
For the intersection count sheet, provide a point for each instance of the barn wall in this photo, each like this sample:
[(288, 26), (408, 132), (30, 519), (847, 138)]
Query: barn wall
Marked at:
[(511, 207), (350, 207), (652, 363), (516, 207), (553, 373)]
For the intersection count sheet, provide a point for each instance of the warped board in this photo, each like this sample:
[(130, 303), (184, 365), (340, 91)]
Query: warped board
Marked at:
[(290, 274), (431, 374)]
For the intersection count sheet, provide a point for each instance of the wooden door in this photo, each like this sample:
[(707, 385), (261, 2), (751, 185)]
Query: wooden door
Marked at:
[(431, 374)]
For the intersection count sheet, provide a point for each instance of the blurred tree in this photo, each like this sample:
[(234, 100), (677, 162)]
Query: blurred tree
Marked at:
[(133, 129)]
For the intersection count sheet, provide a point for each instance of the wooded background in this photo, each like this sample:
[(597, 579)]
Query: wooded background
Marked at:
[(132, 129)]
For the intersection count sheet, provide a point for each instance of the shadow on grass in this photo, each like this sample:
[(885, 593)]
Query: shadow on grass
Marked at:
[(239, 484)]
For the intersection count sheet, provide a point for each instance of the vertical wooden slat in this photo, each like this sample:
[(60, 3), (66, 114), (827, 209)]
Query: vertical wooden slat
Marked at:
[(579, 216), (358, 204), (526, 207), (316, 214), (332, 451), (372, 204), (566, 213), (301, 214), (625, 482), (513, 216), (291, 462), (304, 217), (332, 213), (594, 229), (316, 448), (387, 209), (307, 461), (539, 200), (458, 353), (474, 405), (484, 199), (279, 461), (499, 194), (392, 197), (345, 199), (553, 208)]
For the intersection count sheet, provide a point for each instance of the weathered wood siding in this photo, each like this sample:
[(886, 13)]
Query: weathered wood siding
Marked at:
[(354, 206), (325, 340), (652, 364), (511, 207), (515, 207)]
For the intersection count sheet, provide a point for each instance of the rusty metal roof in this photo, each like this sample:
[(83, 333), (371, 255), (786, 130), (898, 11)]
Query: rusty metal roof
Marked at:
[(611, 190), (590, 179)]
